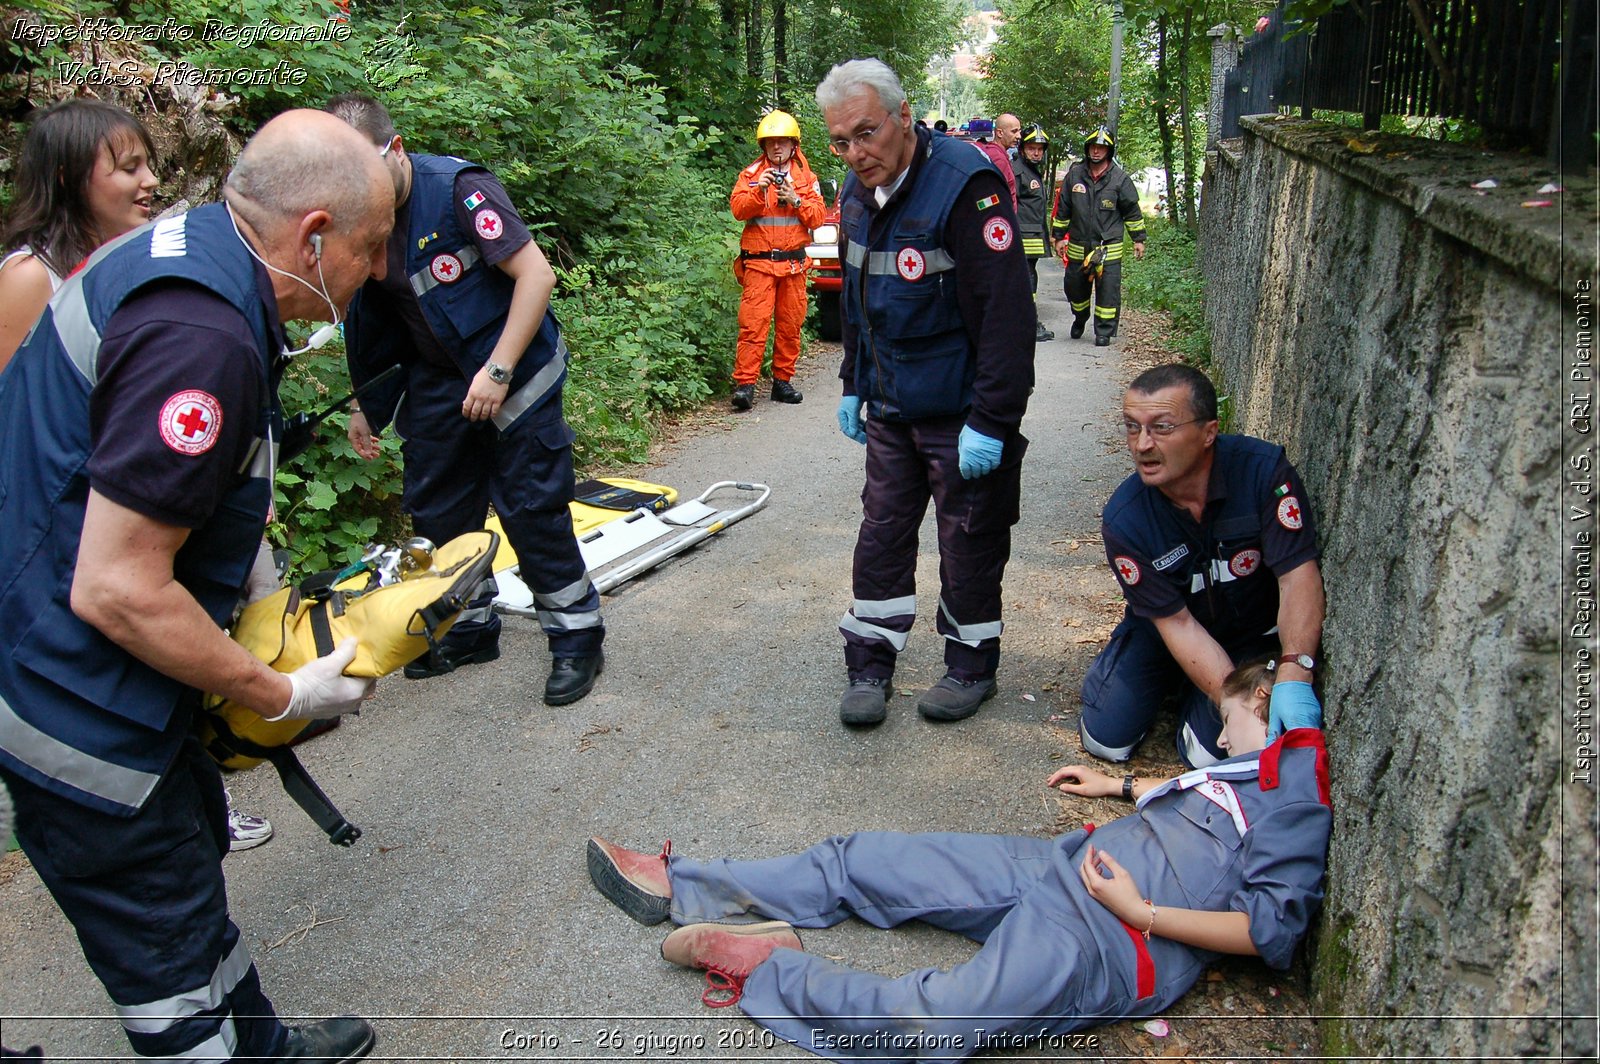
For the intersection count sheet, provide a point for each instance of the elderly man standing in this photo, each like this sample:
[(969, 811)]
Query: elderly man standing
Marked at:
[(1212, 543), (938, 364), (132, 518)]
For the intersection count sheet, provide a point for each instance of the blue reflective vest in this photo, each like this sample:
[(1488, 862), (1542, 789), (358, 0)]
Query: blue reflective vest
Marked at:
[(463, 301), (79, 715), (913, 357)]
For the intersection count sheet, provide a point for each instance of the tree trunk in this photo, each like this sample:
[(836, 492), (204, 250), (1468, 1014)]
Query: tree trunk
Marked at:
[(1185, 117), (780, 51), (753, 57), (1163, 117)]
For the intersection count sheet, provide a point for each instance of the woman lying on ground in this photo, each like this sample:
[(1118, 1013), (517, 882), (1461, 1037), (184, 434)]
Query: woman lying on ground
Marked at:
[(1077, 931)]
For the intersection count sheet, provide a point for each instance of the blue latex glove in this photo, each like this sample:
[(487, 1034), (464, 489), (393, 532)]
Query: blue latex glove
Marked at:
[(850, 419), (978, 454), (1294, 705)]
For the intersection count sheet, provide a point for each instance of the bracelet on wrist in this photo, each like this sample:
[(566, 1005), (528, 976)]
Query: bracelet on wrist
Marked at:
[(1127, 786), (1152, 925)]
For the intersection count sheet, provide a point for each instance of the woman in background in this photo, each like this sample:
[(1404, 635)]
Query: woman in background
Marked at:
[(83, 179)]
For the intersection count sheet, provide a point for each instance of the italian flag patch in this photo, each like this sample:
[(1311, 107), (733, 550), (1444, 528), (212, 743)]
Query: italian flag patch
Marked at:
[(987, 202), (1281, 490), (472, 201)]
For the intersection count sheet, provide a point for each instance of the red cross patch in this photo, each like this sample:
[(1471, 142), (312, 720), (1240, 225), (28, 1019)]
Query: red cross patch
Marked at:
[(189, 422), (446, 268), (997, 233), (1127, 569), (1289, 513), (911, 264), (487, 223), (1244, 563)]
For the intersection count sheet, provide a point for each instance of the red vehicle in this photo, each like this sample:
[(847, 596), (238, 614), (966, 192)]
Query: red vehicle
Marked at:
[(827, 276)]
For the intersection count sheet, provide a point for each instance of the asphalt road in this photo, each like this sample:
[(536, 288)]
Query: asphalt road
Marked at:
[(463, 923)]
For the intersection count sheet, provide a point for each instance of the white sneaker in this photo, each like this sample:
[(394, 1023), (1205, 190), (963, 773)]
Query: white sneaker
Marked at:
[(245, 830)]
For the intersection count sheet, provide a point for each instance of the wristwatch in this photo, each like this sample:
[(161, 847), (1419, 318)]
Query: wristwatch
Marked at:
[(1305, 661), (497, 373)]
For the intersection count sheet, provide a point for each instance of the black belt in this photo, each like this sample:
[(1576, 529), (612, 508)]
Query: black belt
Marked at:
[(776, 256)]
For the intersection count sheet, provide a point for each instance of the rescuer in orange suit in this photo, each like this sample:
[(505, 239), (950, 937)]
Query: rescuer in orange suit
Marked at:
[(778, 199)]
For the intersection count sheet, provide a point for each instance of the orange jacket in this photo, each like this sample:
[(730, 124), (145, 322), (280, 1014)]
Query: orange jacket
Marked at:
[(772, 226)]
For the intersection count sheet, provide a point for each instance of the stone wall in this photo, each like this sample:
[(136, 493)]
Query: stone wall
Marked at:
[(1402, 335)]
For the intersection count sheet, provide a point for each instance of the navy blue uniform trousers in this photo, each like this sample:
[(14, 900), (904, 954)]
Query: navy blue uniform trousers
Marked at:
[(454, 468), (147, 898)]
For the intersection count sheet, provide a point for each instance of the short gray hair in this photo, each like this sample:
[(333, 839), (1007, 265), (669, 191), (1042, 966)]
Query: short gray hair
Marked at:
[(291, 168), (851, 78)]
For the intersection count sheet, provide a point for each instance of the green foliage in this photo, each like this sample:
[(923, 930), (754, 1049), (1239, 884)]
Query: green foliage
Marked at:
[(330, 503), (1052, 68), (1168, 279)]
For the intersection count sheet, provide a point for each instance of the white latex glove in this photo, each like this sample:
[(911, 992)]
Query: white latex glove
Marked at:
[(320, 689), (263, 578)]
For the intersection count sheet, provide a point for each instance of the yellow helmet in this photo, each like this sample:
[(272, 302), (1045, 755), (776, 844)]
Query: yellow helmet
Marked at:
[(778, 124)]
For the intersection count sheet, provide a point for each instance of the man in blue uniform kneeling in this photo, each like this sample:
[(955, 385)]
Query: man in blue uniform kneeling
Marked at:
[(141, 433), (1078, 930), (465, 309), (1212, 543)]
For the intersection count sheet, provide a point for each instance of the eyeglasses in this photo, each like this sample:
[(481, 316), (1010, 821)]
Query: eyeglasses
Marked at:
[(1159, 428), (841, 145), (384, 151)]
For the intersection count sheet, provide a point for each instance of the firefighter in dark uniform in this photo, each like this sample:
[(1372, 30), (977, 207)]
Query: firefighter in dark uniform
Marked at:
[(936, 347), (132, 516), (1097, 201), (1212, 543), (1033, 207), (465, 308)]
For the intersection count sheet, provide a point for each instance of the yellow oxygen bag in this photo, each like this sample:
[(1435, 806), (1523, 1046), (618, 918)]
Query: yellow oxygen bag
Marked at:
[(397, 604)]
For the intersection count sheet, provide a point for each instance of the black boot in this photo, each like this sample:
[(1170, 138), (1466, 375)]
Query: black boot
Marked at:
[(572, 678), (1077, 327), (340, 1039), (1041, 334), (744, 396), (1102, 339), (449, 659), (784, 392)]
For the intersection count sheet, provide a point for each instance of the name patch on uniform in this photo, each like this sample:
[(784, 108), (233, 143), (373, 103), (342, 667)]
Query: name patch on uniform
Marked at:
[(1244, 563), (1171, 558), (997, 234), (446, 268), (1127, 569), (987, 202), (487, 223), (189, 421), (473, 201), (910, 264), (1289, 514)]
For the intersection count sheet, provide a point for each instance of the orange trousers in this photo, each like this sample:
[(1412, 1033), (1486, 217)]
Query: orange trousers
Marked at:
[(768, 298)]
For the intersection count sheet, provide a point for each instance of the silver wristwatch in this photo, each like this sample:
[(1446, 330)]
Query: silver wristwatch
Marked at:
[(497, 373)]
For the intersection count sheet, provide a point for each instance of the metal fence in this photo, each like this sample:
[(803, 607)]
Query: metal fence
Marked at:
[(1522, 70)]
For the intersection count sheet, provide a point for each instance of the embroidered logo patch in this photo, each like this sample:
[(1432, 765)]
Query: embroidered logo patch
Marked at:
[(1244, 563), (1289, 515), (446, 268), (987, 202), (1127, 569), (423, 242), (487, 223), (473, 201), (1079, 187), (1032, 185), (189, 422), (910, 264), (997, 234)]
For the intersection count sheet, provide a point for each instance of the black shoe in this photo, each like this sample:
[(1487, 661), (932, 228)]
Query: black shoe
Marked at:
[(339, 1039), (446, 659), (1102, 341), (784, 392), (1077, 329), (953, 698), (572, 678), (744, 396), (865, 703), (1042, 335)]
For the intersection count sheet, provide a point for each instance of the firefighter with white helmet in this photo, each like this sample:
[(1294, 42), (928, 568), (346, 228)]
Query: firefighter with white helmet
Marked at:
[(779, 200)]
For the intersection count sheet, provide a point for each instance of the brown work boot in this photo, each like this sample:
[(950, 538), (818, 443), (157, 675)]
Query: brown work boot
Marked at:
[(728, 953), (636, 882)]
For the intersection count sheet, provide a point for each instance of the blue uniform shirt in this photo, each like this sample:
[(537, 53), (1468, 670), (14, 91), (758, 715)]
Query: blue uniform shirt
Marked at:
[(1256, 526)]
